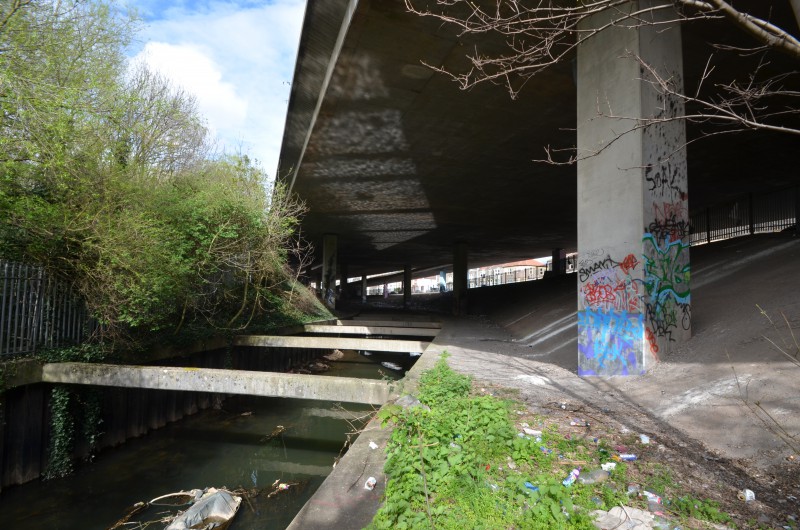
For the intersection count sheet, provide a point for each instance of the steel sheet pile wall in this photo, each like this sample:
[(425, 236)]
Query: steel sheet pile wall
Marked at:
[(126, 412)]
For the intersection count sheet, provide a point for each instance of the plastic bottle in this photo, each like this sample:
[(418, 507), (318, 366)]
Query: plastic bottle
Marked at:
[(573, 476), (598, 475)]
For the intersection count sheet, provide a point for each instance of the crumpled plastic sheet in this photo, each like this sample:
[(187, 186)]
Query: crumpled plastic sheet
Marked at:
[(623, 518), (211, 511)]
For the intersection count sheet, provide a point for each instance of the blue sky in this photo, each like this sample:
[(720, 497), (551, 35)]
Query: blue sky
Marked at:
[(237, 57)]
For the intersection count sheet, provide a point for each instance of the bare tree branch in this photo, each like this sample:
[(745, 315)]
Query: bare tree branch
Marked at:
[(539, 34)]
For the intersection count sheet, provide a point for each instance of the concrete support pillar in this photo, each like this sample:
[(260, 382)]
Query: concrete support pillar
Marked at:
[(460, 282), (407, 286), (559, 263), (364, 289), (343, 287), (329, 258), (633, 220)]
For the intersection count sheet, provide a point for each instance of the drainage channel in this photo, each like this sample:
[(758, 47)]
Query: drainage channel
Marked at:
[(250, 443)]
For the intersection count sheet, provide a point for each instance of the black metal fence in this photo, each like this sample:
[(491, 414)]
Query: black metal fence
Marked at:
[(37, 311), (749, 214)]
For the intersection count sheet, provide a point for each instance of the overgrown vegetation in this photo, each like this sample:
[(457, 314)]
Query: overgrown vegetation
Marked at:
[(109, 179), (457, 460)]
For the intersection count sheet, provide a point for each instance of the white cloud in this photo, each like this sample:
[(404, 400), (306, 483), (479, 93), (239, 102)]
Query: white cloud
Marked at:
[(190, 68), (238, 59)]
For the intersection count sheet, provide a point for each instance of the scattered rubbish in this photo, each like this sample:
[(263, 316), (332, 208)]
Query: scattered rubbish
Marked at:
[(455, 445), (415, 354), (633, 489), (510, 463), (318, 368), (652, 497), (335, 355), (746, 495), (608, 466), (366, 353), (409, 402), (654, 502), (597, 500), (494, 487), (598, 475), (370, 483), (531, 432), (625, 457), (213, 510), (277, 431), (573, 476), (392, 366), (579, 423), (531, 487), (644, 439), (622, 517), (563, 405), (373, 445), (545, 450), (624, 430), (279, 486)]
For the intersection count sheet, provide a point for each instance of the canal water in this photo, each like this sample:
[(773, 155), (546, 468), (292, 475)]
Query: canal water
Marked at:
[(231, 448)]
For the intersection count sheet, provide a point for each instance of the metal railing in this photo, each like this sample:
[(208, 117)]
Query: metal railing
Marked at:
[(501, 278), (37, 311), (749, 214)]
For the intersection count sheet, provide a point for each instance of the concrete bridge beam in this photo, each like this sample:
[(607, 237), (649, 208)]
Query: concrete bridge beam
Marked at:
[(371, 330), (633, 237), (329, 343), (270, 384)]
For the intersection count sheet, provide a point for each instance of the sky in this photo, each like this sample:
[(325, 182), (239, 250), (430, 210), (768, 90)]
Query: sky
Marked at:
[(237, 57)]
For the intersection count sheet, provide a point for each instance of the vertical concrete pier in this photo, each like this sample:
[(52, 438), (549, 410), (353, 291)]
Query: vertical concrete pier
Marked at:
[(460, 281), (633, 247), (329, 258)]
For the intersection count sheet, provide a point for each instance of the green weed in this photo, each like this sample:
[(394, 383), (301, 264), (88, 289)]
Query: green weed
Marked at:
[(462, 463)]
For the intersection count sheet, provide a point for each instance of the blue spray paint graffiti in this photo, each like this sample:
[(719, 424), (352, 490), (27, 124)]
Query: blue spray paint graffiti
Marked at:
[(610, 343)]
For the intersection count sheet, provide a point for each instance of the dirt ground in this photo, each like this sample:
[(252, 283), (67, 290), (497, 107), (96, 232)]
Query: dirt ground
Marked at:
[(713, 406)]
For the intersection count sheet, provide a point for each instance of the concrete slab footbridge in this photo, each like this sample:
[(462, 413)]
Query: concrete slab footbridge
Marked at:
[(265, 384), (402, 171)]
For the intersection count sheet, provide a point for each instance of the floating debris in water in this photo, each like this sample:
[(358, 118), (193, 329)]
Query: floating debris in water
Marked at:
[(392, 366)]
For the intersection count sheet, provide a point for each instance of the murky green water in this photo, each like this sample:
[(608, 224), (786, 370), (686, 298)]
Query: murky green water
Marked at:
[(215, 448)]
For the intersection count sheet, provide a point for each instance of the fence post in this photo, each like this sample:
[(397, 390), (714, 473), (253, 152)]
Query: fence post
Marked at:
[(797, 210), (708, 225), (750, 214)]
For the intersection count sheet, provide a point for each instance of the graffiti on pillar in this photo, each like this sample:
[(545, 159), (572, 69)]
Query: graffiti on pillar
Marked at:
[(670, 221), (666, 284), (610, 342), (609, 286)]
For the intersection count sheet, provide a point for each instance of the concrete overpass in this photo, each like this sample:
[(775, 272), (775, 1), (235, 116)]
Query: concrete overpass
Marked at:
[(403, 171)]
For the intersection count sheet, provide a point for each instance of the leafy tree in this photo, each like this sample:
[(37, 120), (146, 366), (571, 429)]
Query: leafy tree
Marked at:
[(108, 177)]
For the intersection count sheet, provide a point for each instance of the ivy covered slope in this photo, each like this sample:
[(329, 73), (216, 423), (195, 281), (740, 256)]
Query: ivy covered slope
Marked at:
[(108, 178), (464, 459)]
